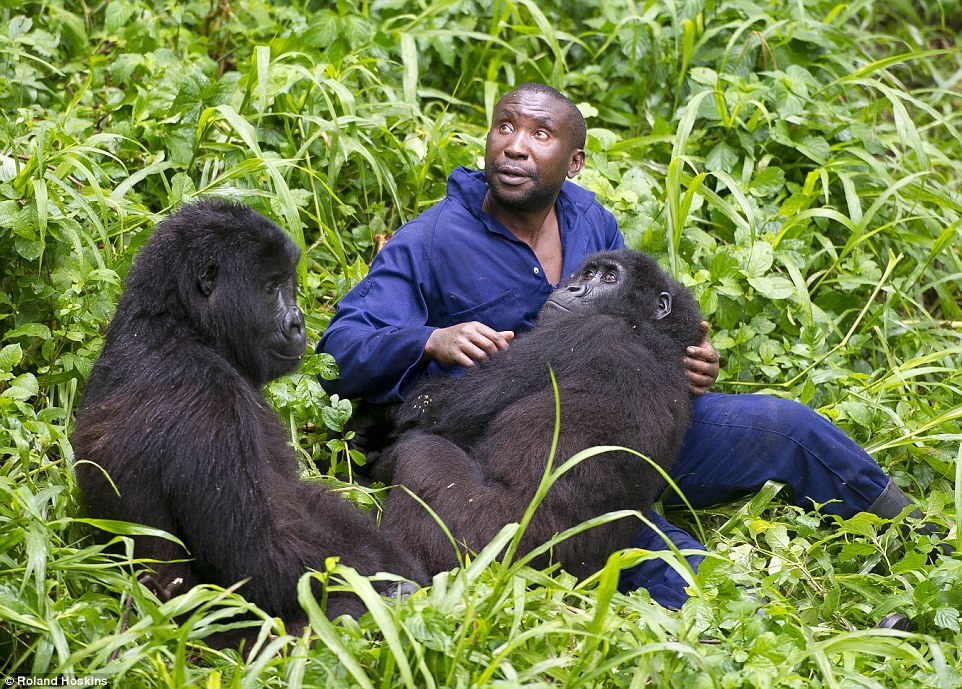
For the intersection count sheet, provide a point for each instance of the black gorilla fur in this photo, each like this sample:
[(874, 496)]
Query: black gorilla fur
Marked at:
[(476, 447), (174, 415)]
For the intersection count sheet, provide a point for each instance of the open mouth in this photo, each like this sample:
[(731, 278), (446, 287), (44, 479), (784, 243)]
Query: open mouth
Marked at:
[(512, 176)]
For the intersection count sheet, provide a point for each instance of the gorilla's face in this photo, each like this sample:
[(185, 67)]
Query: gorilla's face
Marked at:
[(268, 338), (284, 338), (607, 284), (249, 300)]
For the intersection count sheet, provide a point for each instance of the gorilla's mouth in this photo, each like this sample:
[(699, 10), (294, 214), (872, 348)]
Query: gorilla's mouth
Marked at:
[(557, 307), (288, 357)]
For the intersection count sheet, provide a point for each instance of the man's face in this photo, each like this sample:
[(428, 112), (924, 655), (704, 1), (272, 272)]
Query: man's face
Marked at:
[(529, 152)]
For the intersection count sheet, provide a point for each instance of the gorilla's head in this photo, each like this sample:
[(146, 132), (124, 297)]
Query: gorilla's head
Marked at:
[(225, 274), (630, 285)]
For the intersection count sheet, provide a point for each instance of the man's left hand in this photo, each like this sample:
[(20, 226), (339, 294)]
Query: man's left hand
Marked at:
[(702, 365)]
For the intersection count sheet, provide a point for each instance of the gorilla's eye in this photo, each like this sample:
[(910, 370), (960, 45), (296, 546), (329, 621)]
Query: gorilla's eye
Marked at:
[(588, 274), (610, 277)]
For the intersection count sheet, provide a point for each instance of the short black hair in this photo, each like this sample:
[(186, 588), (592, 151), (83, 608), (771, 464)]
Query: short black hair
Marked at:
[(579, 133)]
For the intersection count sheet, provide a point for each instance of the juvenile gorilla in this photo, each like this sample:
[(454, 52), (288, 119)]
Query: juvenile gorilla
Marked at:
[(615, 337), (174, 432)]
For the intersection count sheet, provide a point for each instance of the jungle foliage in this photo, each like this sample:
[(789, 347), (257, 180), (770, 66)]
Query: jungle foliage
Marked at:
[(797, 164)]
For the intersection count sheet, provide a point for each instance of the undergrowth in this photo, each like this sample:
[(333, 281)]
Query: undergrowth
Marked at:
[(797, 164)]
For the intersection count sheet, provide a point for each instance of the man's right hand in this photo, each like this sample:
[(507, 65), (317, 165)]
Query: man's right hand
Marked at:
[(466, 344)]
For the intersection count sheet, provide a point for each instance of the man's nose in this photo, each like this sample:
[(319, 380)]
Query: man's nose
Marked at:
[(515, 147)]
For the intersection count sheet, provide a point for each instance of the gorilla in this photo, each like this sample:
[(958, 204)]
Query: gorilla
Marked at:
[(475, 448), (174, 432)]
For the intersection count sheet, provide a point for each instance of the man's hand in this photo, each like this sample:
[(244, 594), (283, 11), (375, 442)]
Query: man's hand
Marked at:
[(466, 344), (702, 365)]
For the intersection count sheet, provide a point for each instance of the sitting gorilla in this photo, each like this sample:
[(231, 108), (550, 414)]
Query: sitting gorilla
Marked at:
[(476, 447), (174, 432)]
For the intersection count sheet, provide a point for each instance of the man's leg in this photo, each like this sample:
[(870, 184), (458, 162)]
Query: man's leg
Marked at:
[(736, 443), (663, 583)]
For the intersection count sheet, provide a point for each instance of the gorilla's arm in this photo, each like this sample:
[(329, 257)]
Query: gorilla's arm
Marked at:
[(460, 410), (251, 516)]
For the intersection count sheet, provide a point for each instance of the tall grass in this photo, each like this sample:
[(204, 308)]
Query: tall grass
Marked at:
[(797, 164)]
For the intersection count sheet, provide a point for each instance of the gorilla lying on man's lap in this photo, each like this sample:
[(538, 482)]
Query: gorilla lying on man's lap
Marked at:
[(174, 417), (476, 447)]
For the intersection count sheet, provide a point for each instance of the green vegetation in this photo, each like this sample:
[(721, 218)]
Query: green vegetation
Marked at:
[(798, 164)]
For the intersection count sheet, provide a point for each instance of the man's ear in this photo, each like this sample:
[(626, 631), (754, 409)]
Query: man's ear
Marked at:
[(576, 163)]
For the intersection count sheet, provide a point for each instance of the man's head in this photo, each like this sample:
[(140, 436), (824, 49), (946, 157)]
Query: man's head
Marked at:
[(534, 144)]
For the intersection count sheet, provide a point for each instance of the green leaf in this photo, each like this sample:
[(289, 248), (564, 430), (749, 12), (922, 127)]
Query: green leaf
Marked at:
[(857, 411), (773, 286), (124, 65), (767, 182), (787, 103), (794, 204), (409, 58), (862, 524), (19, 26), (22, 388), (722, 157), (912, 562), (757, 259), (855, 552), (724, 264), (947, 618), (336, 415), (117, 15), (807, 393), (10, 356), (30, 330), (29, 248), (816, 148)]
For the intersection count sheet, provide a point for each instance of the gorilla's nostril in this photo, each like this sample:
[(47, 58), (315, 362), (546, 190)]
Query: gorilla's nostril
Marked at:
[(295, 322)]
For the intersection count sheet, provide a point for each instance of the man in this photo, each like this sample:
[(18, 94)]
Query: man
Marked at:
[(454, 285)]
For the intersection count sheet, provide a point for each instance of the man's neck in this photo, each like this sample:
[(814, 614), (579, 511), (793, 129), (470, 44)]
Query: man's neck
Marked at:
[(527, 226), (538, 229)]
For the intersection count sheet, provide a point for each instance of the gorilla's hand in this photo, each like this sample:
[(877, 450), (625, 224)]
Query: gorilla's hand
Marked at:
[(465, 344), (702, 365)]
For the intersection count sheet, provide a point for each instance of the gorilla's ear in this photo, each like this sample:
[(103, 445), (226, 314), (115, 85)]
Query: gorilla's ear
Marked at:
[(664, 306), (207, 280)]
